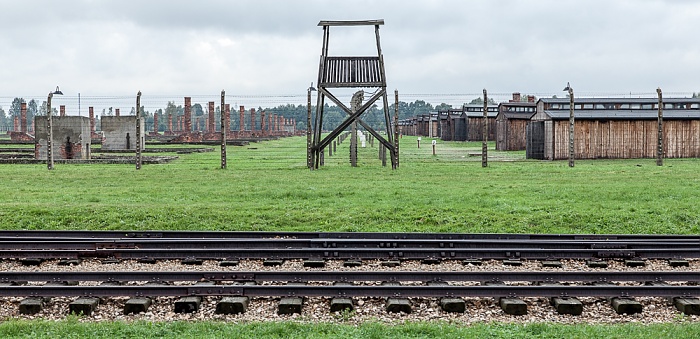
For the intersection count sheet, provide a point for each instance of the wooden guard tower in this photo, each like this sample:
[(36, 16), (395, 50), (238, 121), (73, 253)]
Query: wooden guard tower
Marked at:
[(351, 72)]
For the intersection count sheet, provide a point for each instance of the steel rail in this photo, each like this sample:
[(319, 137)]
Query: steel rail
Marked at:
[(38, 234), (241, 243), (355, 253), (352, 291), (354, 276)]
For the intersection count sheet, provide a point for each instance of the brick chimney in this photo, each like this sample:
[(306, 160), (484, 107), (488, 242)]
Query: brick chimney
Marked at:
[(228, 117), (62, 110), (155, 123), (242, 118), (530, 98), (212, 126), (252, 119), (188, 115), (170, 122), (516, 97), (15, 122), (91, 114), (23, 118), (262, 122), (116, 112)]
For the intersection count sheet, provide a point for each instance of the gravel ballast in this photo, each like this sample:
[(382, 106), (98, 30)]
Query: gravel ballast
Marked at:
[(595, 310)]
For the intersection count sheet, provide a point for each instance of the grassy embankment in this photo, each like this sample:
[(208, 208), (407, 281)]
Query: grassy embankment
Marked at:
[(267, 188)]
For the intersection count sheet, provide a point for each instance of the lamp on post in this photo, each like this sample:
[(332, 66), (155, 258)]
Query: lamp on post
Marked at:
[(571, 123), (309, 154), (49, 130)]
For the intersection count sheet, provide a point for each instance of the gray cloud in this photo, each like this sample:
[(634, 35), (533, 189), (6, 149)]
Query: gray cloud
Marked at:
[(272, 47)]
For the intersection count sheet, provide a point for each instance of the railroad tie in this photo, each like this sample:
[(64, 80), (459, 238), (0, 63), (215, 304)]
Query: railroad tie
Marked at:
[(597, 263), (233, 305), (565, 305), (678, 263), (450, 305), (341, 304), (314, 263), (136, 305), (635, 263), (474, 262), (551, 263), (391, 263), (31, 261), (34, 305), (191, 304), (624, 305), (83, 305), (291, 305), (512, 306), (512, 262), (352, 263), (397, 305), (273, 262), (686, 305), (192, 262), (229, 263)]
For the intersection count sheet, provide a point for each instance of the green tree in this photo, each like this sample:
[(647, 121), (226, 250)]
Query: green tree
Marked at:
[(16, 107), (480, 101), (197, 110)]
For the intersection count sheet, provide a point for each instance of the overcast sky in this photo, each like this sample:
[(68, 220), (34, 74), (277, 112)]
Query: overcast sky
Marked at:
[(263, 47)]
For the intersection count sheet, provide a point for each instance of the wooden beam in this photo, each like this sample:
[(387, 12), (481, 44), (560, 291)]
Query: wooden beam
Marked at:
[(351, 22)]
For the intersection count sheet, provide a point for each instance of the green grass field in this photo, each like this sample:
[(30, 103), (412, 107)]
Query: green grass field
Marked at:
[(267, 187)]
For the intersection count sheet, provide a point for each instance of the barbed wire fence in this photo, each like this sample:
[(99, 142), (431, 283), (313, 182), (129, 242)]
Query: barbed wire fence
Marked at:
[(283, 153)]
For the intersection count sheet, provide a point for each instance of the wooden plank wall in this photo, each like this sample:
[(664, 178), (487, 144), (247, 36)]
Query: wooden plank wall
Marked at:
[(626, 139), (474, 127)]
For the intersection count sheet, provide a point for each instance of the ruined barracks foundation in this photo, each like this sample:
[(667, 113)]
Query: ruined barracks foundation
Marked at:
[(120, 133), (71, 137)]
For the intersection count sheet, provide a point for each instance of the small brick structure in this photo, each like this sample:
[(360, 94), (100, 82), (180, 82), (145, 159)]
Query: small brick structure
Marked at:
[(70, 137)]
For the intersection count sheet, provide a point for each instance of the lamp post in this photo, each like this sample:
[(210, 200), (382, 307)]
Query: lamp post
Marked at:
[(309, 154), (49, 130), (571, 123)]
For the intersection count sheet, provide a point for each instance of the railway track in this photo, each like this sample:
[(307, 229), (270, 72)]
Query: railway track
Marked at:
[(562, 288), (406, 246)]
